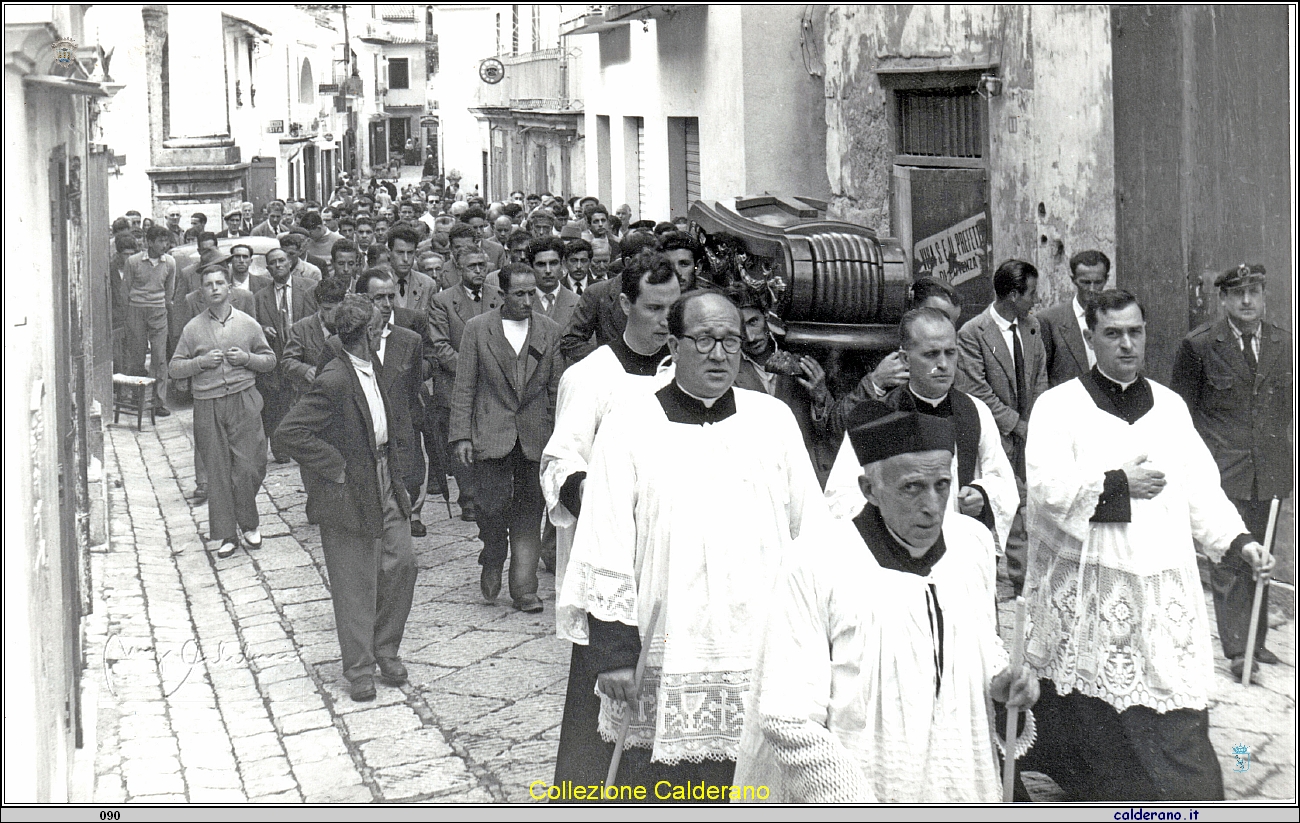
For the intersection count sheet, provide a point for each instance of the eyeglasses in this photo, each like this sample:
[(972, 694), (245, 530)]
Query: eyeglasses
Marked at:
[(706, 345)]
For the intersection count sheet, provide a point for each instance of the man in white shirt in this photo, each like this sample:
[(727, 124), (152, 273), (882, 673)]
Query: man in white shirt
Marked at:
[(339, 434), (502, 413)]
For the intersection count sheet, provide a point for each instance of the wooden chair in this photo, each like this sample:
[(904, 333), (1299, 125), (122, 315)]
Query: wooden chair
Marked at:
[(133, 393)]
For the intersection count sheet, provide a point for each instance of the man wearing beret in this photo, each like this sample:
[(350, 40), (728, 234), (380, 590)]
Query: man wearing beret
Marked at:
[(881, 660), (1235, 374)]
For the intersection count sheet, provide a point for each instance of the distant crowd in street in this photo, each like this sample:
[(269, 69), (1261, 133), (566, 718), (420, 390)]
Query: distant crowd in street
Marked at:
[(766, 580)]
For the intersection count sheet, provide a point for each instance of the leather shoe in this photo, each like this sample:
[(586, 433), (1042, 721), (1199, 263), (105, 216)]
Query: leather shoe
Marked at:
[(489, 582), (417, 528), (363, 689), (1238, 665), (162, 411), (529, 604), (1267, 657), (200, 494), (227, 549), (253, 539), (391, 671), (468, 513)]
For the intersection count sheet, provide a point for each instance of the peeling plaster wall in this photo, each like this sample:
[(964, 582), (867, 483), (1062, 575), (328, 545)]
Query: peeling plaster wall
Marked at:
[(1051, 132)]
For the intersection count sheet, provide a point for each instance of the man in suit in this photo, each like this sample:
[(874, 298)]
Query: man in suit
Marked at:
[(577, 266), (502, 413), (400, 357), (1063, 324), (234, 220), (305, 352), (241, 276), (448, 313), (599, 315), (414, 290), (1003, 364), (343, 435), (551, 298), (278, 306), (1235, 375)]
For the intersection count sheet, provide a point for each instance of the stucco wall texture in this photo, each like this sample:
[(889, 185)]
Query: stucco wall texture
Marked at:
[(1051, 170)]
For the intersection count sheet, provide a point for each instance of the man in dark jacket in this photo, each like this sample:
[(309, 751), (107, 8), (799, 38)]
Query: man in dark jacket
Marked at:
[(339, 432), (1235, 375)]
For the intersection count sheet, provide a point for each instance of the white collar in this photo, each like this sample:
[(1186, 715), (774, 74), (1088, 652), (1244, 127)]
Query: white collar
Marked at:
[(1078, 307), (707, 401), (366, 367), (1122, 385), (934, 404), (1238, 332), (1003, 323)]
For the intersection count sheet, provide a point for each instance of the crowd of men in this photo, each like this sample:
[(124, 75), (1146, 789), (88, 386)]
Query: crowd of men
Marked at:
[(610, 414)]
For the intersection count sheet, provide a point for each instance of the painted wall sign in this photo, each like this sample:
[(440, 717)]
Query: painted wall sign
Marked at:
[(955, 254)]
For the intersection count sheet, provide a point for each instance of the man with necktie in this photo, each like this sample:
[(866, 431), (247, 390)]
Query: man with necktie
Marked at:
[(1003, 363), (1235, 374), (284, 302)]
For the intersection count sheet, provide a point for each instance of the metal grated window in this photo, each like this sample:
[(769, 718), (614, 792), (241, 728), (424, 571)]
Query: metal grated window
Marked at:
[(940, 123)]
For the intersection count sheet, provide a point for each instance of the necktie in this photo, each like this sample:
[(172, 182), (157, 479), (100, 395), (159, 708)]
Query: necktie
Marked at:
[(475, 296), (1018, 353), (577, 288), (401, 287), (1248, 350), (284, 303)]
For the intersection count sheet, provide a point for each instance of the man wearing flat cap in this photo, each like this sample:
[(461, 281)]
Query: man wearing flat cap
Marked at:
[(1235, 374), (881, 661), (234, 220)]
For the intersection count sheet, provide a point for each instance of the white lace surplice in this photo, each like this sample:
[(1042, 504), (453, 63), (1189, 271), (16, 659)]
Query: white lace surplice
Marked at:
[(698, 517), (845, 686), (588, 390), (1132, 629)]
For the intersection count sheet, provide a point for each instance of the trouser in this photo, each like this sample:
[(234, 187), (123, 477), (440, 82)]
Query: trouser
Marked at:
[(548, 551), (1233, 584), (465, 475), (510, 512), (147, 330), (372, 584), (1017, 548), (200, 468), (277, 400), (228, 432), (1095, 753)]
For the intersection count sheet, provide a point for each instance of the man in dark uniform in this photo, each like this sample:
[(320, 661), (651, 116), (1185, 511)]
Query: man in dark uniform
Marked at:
[(1235, 375)]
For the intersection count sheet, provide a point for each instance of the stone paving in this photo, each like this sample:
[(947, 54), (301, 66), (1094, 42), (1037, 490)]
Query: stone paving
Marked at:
[(219, 680)]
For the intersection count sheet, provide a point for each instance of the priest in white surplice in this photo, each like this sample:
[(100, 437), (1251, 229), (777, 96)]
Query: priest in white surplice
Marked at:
[(1120, 484), (588, 390), (693, 498), (881, 658), (986, 484)]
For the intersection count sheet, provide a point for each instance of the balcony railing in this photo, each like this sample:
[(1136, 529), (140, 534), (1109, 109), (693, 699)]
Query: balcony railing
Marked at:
[(538, 80)]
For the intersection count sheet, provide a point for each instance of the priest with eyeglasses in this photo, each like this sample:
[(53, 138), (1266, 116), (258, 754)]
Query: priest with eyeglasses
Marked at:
[(694, 496)]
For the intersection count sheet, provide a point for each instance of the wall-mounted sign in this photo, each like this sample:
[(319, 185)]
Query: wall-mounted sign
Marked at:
[(491, 71), (955, 254), (328, 88), (275, 127)]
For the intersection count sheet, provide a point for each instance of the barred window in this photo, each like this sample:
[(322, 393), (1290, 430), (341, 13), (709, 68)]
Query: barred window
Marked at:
[(940, 123)]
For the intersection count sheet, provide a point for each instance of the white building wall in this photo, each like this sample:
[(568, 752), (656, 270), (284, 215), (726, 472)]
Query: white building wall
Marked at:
[(124, 122), (467, 34)]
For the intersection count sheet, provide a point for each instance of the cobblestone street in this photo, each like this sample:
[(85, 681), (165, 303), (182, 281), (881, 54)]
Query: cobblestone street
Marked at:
[(219, 681)]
